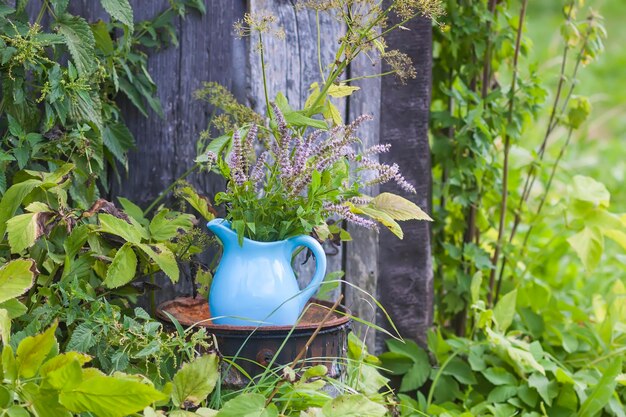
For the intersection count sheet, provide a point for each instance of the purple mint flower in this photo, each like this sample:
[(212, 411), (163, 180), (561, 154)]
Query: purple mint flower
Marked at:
[(376, 149), (211, 157), (282, 150), (359, 201), (258, 171), (344, 212), (248, 145), (236, 163), (404, 184)]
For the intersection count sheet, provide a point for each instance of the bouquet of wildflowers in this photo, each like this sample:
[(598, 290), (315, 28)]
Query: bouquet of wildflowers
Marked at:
[(286, 183)]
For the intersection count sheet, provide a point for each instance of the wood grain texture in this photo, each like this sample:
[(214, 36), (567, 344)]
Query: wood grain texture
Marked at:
[(291, 67), (361, 262), (166, 147), (405, 266)]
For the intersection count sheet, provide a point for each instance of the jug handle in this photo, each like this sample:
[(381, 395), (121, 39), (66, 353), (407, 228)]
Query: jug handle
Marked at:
[(320, 264)]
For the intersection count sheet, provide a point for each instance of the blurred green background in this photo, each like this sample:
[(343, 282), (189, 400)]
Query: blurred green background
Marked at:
[(598, 150)]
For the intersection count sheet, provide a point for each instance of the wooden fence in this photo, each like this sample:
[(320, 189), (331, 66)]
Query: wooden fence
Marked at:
[(397, 272)]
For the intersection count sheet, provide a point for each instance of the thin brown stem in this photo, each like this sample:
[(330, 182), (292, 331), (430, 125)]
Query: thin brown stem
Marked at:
[(544, 197), (487, 62), (305, 348), (507, 147)]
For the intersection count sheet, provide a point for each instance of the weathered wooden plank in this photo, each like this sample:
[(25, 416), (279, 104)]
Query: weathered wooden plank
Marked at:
[(406, 281), (361, 262), (291, 67), (166, 147)]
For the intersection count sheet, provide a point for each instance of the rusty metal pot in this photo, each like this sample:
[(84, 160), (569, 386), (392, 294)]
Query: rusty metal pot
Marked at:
[(253, 348)]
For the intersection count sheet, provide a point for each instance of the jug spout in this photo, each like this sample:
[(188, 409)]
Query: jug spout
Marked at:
[(221, 229)]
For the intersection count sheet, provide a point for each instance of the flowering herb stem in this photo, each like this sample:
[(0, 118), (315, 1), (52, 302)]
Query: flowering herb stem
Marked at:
[(319, 45), (263, 71)]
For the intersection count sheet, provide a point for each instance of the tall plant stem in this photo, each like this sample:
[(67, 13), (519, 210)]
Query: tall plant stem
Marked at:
[(507, 147), (553, 121), (165, 192), (544, 197), (267, 97), (487, 61), (319, 45)]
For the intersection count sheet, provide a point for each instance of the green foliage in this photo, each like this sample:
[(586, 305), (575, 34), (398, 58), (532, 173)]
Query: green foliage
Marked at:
[(39, 379), (57, 110), (195, 381), (523, 326)]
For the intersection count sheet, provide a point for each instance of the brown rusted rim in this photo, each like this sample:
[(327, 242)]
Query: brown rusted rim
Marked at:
[(343, 319)]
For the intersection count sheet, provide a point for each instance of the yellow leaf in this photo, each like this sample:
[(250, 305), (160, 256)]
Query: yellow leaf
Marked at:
[(315, 92), (331, 112), (398, 208), (341, 90)]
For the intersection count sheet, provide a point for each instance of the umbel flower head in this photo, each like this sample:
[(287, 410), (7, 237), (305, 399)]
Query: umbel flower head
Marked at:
[(294, 182)]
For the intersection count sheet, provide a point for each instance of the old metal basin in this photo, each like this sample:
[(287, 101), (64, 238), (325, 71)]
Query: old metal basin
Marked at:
[(253, 348)]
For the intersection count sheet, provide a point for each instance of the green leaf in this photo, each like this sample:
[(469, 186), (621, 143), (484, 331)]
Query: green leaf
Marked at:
[(165, 225), (195, 381), (131, 92), (60, 6), (102, 37), (355, 405), (398, 208), (248, 405), (367, 379), (504, 311), (61, 360), (65, 377), (132, 233), (6, 398), (80, 42), (381, 217), (16, 277), (120, 10), (588, 189), (415, 377), (579, 111), (44, 402), (603, 391), (123, 268), (547, 389), (408, 348), (32, 351), (477, 280), (108, 396), (460, 370), (164, 258), (76, 240), (341, 90), (118, 140), (502, 393), (82, 338), (12, 200), (5, 326), (217, 146), (133, 210), (198, 202), (499, 376), (297, 119), (14, 308), (331, 112), (396, 363), (24, 230), (588, 245)]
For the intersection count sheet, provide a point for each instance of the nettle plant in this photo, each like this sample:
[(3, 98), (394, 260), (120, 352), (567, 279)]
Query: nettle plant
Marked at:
[(60, 78)]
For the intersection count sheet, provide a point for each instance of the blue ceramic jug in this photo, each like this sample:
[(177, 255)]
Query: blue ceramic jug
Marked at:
[(255, 284)]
